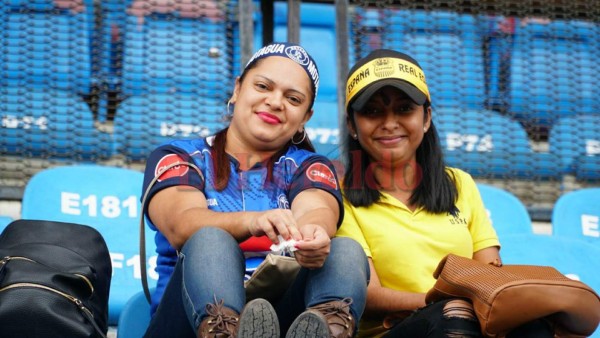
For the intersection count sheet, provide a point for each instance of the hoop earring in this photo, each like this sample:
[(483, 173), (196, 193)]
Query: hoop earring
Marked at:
[(229, 113), (301, 140)]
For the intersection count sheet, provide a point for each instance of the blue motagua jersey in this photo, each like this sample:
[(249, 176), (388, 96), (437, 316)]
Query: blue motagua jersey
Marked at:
[(249, 190)]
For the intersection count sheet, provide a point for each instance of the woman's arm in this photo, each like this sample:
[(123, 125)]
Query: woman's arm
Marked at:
[(180, 211), (489, 255), (317, 213), (383, 301)]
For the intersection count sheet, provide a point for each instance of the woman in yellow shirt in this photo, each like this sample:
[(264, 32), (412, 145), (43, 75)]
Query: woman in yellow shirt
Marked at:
[(405, 207)]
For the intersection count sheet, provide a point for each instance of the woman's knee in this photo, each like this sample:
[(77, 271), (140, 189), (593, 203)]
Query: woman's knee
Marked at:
[(348, 248), (209, 238), (460, 320)]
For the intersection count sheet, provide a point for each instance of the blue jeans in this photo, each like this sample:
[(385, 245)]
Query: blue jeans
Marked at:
[(211, 266)]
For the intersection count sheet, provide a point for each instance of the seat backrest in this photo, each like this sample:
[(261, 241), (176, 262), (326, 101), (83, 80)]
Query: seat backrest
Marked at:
[(507, 213), (46, 43), (106, 198), (146, 121), (572, 137), (576, 214), (574, 258), (49, 123), (135, 317), (449, 48), (4, 221), (554, 70), (486, 143), (169, 48)]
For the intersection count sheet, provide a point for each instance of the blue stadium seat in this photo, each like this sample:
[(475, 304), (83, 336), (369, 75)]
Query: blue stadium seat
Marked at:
[(135, 317), (507, 212), (146, 121), (46, 45), (176, 79), (4, 221), (172, 53), (46, 73), (576, 141), (488, 144), (576, 214), (554, 71), (573, 258), (449, 47), (49, 123), (106, 198)]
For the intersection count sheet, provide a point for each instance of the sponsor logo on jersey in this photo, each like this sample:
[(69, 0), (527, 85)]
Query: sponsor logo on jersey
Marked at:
[(319, 172), (175, 171)]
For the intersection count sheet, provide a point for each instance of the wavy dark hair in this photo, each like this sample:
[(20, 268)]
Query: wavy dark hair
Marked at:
[(436, 191), (221, 167)]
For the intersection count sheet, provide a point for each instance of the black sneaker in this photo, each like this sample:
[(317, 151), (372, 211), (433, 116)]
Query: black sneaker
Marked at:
[(258, 320), (310, 323)]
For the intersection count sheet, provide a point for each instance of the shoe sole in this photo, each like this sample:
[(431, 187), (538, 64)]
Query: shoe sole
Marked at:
[(309, 324), (258, 320)]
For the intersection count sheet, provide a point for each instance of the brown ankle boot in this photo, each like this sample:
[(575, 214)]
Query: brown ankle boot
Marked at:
[(338, 317), (220, 322)]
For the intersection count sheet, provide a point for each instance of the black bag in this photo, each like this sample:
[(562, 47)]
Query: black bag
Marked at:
[(54, 280)]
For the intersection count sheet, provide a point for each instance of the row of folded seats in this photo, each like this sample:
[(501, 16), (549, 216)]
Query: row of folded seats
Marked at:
[(172, 67)]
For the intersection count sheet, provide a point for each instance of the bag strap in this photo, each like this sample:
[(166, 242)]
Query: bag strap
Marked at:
[(144, 275)]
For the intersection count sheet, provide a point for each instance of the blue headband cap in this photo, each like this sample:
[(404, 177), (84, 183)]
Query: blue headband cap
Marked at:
[(293, 52)]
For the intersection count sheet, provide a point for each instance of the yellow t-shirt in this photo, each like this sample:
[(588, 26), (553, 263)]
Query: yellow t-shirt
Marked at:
[(406, 246)]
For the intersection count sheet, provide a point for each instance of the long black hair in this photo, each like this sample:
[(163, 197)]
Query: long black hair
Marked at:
[(436, 190)]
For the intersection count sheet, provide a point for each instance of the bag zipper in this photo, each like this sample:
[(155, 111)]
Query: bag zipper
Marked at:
[(6, 259)]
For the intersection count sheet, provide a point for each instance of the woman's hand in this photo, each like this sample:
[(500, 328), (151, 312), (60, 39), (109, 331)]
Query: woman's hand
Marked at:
[(274, 222), (314, 247)]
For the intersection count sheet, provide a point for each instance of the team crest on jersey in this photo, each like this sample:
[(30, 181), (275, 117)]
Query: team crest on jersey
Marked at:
[(282, 202), (175, 171), (319, 172)]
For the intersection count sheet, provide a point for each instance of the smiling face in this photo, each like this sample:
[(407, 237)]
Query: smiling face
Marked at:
[(271, 105), (390, 127)]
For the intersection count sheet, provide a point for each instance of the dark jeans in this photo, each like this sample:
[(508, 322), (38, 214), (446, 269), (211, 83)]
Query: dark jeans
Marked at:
[(429, 322)]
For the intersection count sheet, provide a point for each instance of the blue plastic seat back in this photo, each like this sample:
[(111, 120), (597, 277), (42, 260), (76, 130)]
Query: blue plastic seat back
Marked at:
[(46, 45), (486, 143), (4, 221), (322, 128), (49, 123), (172, 53), (507, 213), (574, 258), (108, 199), (573, 138), (576, 214), (135, 317), (146, 121), (448, 46), (554, 70)]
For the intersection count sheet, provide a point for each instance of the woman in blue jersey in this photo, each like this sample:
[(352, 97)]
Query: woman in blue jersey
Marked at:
[(259, 181), (406, 208)]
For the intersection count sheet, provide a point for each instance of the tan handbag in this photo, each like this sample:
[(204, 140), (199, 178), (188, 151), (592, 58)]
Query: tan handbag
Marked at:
[(272, 278), (508, 296)]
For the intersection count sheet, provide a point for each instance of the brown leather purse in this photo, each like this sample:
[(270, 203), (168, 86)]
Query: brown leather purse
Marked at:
[(508, 296)]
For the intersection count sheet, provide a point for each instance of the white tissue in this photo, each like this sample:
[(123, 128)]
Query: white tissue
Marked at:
[(284, 246)]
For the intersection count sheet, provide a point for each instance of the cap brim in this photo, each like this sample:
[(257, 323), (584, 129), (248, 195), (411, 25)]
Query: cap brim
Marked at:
[(411, 91)]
